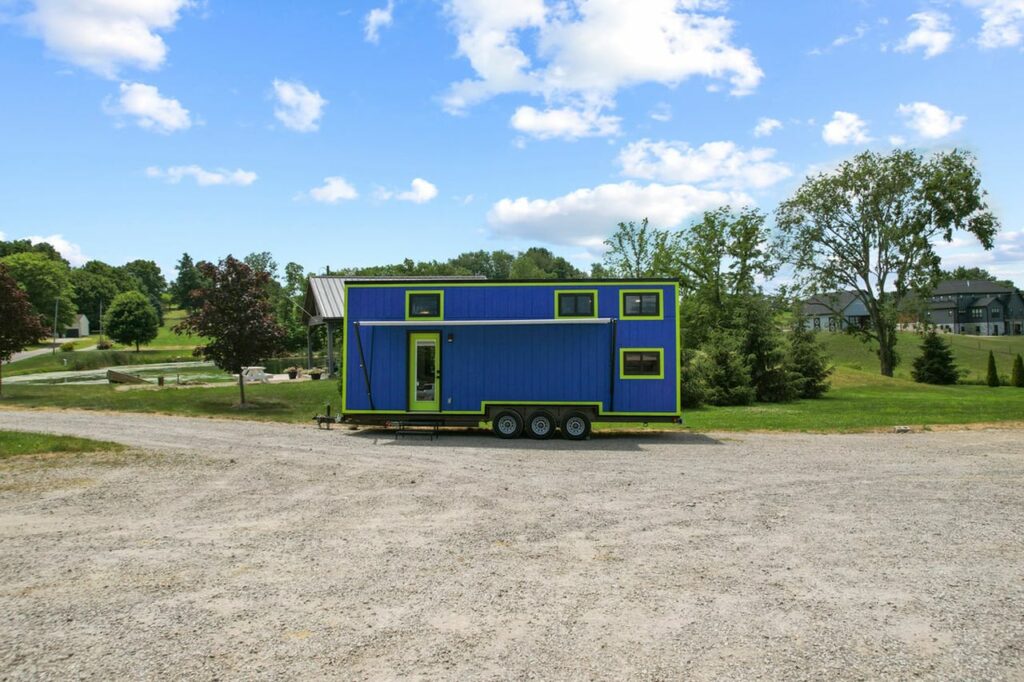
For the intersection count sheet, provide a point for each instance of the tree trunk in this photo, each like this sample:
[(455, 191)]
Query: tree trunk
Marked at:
[(241, 387), (1, 378), (887, 352), (136, 346)]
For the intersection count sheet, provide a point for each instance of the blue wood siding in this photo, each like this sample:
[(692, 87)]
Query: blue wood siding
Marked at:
[(566, 363)]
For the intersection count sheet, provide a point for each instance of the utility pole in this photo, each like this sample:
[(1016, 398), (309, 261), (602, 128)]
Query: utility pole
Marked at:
[(56, 309), (101, 321)]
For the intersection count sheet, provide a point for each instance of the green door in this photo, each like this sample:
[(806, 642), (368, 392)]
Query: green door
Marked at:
[(424, 372)]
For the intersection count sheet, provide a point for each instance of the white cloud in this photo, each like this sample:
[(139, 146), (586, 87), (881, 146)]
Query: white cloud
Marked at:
[(203, 177), (72, 253), (845, 128), (420, 193), (333, 190), (930, 121), (566, 123), (105, 35), (586, 51), (662, 113), (587, 216), (933, 34), (376, 19), (1002, 22), (859, 32), (766, 126), (151, 110), (717, 164), (298, 107), (897, 140)]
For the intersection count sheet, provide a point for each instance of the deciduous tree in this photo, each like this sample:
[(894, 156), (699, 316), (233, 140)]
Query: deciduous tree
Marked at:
[(131, 319), (20, 325), (45, 281)]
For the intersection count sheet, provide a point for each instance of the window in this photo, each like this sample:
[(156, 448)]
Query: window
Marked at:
[(575, 304), (817, 323), (642, 363), (424, 305), (641, 304), (977, 313), (996, 313)]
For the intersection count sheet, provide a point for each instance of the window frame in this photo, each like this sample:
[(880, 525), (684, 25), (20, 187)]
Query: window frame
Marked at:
[(630, 377), (560, 292), (660, 315), (409, 293)]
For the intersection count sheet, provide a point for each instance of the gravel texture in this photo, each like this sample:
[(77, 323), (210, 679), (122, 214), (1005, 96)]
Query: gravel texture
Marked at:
[(237, 550)]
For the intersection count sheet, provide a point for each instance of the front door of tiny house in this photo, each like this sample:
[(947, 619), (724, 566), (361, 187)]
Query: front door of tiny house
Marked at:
[(424, 372)]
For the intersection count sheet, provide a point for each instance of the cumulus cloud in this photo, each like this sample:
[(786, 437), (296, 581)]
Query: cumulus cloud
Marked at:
[(420, 192), (933, 34), (766, 126), (203, 177), (106, 35), (584, 52), (1002, 22), (662, 113), (333, 190), (585, 216), (72, 253), (376, 19), (717, 164), (845, 128), (566, 123), (150, 109), (930, 121), (298, 107)]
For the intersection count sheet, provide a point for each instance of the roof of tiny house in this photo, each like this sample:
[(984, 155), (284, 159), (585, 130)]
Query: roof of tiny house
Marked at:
[(325, 294)]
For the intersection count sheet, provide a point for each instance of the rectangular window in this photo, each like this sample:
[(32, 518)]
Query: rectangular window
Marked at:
[(996, 313), (642, 363), (424, 305), (641, 304), (575, 304), (977, 313)]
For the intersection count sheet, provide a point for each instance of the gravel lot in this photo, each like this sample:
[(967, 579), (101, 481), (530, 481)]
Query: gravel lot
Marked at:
[(240, 550)]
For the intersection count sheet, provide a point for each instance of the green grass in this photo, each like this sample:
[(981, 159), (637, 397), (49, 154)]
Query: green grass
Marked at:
[(13, 443), (166, 338), (94, 359), (971, 353)]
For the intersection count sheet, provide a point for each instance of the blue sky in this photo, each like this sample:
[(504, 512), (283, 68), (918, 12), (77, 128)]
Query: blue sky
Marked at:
[(351, 133)]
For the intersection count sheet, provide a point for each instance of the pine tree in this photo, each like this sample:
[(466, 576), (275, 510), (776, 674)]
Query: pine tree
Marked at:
[(724, 370), (807, 360), (936, 364), (1017, 376), (770, 375), (993, 376)]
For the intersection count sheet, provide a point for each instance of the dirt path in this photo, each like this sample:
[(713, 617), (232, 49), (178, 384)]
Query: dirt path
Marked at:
[(245, 550)]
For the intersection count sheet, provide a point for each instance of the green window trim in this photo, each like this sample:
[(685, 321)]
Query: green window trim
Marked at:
[(622, 363), (559, 292), (409, 293), (661, 304)]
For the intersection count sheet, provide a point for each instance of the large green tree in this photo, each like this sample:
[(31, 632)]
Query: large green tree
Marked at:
[(186, 284), (46, 282), (131, 319), (870, 227), (20, 324), (236, 317), (93, 292), (640, 251), (149, 275)]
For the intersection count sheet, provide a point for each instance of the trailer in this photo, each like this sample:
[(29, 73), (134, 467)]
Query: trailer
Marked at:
[(533, 357)]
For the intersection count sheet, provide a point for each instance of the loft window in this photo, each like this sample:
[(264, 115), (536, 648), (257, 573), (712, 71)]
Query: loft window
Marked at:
[(641, 304), (424, 305), (575, 304), (996, 313), (642, 363)]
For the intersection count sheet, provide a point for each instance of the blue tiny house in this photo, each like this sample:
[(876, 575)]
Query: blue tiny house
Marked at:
[(533, 356)]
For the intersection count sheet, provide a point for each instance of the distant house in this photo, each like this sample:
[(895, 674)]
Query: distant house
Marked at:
[(78, 328), (955, 306)]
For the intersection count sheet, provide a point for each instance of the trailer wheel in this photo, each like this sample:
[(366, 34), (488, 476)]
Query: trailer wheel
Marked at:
[(576, 426), (508, 425), (540, 425)]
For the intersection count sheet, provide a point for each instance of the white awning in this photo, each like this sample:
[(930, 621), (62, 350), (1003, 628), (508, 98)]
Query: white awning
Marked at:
[(481, 323)]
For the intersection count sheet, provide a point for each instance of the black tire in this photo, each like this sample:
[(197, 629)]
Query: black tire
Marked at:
[(507, 424), (576, 426), (541, 425)]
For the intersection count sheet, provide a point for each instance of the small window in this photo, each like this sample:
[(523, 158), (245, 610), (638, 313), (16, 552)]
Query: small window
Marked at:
[(642, 363), (575, 304), (641, 304), (424, 305)]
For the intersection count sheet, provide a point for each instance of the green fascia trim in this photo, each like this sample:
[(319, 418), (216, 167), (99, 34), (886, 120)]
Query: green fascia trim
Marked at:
[(575, 291), (484, 404), (440, 304), (552, 283), (344, 352), (627, 318), (678, 354), (631, 377)]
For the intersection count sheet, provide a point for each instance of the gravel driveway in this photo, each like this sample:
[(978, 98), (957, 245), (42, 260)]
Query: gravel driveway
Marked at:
[(241, 550)]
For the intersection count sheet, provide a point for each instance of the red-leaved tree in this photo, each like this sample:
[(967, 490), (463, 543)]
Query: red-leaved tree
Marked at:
[(20, 325), (236, 317)]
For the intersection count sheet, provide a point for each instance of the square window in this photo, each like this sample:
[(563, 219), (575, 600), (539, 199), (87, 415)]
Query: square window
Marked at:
[(426, 305), (571, 304), (642, 363), (641, 304)]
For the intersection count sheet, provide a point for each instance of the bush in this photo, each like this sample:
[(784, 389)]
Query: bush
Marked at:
[(807, 361), (691, 385), (67, 347), (104, 345), (1017, 375), (992, 379), (762, 346), (935, 365), (724, 371)]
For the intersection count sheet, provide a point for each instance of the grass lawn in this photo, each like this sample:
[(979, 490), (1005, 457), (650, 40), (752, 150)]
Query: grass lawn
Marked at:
[(13, 443), (167, 339), (94, 359)]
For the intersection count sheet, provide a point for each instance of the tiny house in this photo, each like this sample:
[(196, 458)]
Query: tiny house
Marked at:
[(531, 357)]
